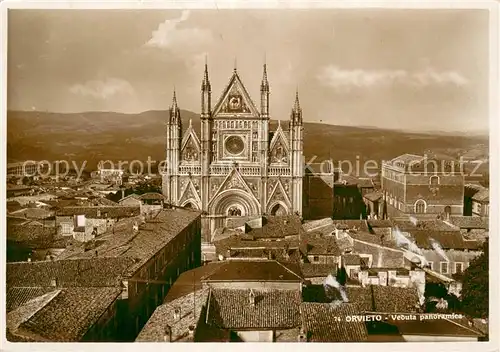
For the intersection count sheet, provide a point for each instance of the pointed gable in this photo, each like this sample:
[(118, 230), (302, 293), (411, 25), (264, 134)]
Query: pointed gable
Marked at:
[(279, 146), (235, 99), (234, 181), (278, 193), (189, 193), (190, 147)]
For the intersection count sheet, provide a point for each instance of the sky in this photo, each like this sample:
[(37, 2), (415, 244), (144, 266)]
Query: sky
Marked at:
[(418, 70)]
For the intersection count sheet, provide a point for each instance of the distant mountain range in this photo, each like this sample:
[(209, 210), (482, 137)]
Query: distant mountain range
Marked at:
[(95, 136)]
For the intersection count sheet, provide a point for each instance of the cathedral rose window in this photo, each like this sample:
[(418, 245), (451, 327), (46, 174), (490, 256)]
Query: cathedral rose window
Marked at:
[(234, 145)]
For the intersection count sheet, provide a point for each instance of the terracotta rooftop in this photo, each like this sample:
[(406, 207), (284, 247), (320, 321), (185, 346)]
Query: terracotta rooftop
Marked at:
[(100, 212), (272, 309), (321, 323), (447, 240), (385, 299), (482, 196), (310, 270), (262, 270), (143, 244), (166, 316), (96, 272), (278, 227), (152, 196), (18, 296), (469, 222), (68, 315)]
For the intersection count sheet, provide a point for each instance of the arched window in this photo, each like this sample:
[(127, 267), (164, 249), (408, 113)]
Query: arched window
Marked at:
[(420, 206), (434, 181), (447, 209)]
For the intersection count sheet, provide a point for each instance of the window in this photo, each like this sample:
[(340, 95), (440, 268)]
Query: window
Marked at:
[(444, 267), (434, 181), (420, 206), (459, 268), (66, 228), (316, 259), (431, 265)]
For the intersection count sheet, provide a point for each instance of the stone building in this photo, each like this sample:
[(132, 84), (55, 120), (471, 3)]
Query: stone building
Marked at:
[(103, 290), (237, 166), (85, 223), (425, 188)]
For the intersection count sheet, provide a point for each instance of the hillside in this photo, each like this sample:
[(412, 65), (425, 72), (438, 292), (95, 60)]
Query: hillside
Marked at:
[(95, 136)]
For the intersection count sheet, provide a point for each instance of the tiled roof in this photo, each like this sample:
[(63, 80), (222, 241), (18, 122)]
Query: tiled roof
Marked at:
[(406, 158), (380, 223), (447, 240), (278, 226), (152, 196), (273, 309), (365, 237), (358, 225), (322, 324), (22, 313), (351, 259), (310, 270), (164, 316), (32, 235), (17, 296), (315, 224), (317, 245), (100, 212), (385, 299), (482, 196), (13, 205), (69, 315), (33, 213), (97, 272), (190, 281), (373, 196), (469, 222), (133, 195), (141, 245), (262, 270)]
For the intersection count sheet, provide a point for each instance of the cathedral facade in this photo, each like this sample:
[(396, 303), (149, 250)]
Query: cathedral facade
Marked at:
[(237, 166)]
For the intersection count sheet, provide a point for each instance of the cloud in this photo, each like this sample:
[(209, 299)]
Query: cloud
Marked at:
[(169, 36), (103, 89), (338, 78)]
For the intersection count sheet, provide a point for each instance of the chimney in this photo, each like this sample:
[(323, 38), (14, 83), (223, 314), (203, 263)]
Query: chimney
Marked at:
[(177, 314), (302, 335), (251, 297), (191, 330), (167, 336)]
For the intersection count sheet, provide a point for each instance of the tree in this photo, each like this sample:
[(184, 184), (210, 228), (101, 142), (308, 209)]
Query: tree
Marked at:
[(475, 294), (341, 276)]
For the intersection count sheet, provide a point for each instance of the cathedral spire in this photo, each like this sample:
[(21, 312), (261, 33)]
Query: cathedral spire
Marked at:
[(174, 111), (205, 85), (296, 110), (174, 101), (264, 86), (296, 106)]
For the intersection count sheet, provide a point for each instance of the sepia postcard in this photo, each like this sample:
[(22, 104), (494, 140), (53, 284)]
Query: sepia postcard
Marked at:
[(255, 172)]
